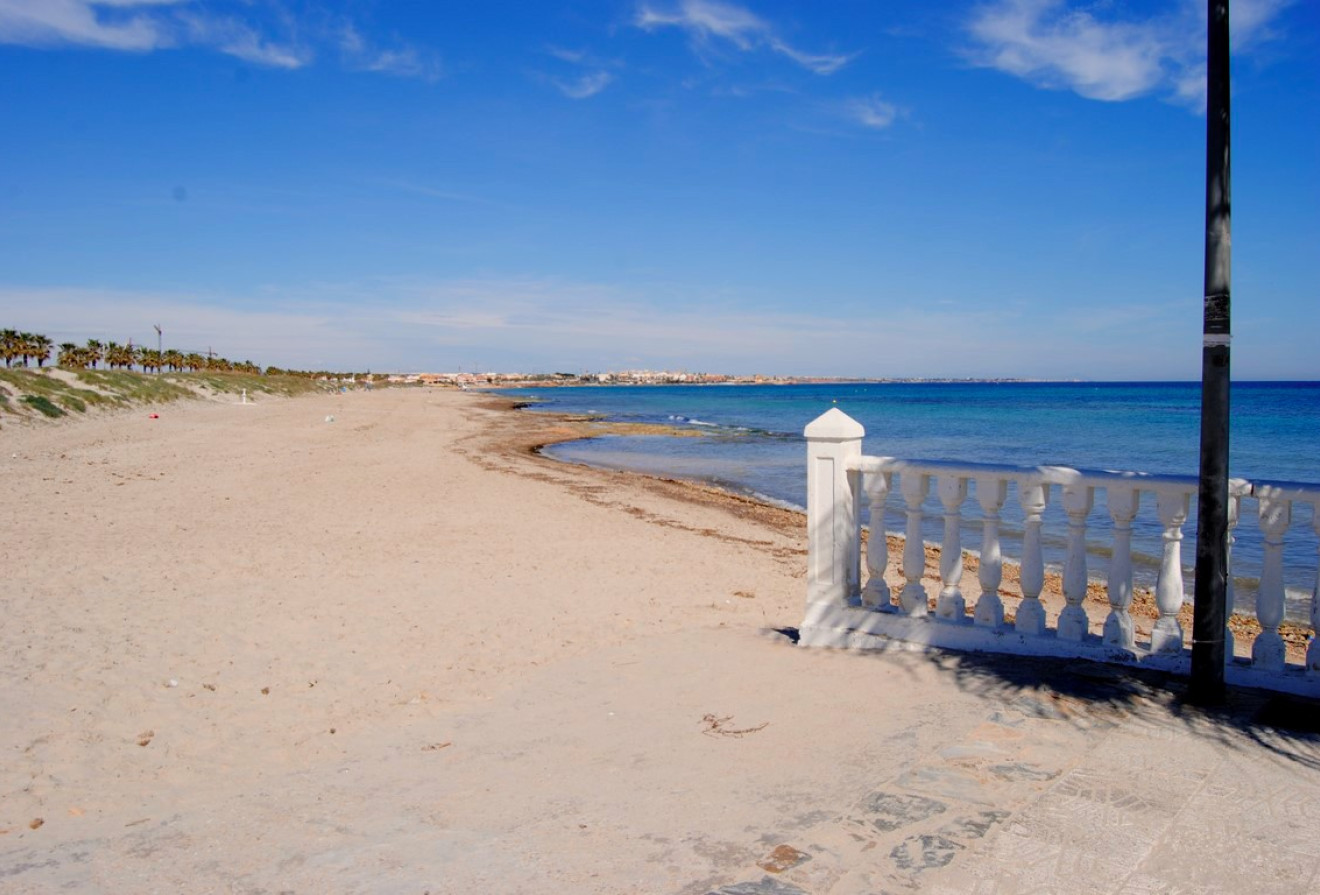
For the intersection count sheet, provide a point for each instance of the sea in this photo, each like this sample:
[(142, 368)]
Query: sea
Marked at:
[(750, 441)]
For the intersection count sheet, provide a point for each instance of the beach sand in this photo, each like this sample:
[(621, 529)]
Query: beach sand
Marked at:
[(256, 649)]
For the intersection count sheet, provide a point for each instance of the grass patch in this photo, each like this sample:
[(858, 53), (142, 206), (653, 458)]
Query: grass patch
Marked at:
[(24, 390), (42, 405), (129, 387), (236, 383), (31, 382)]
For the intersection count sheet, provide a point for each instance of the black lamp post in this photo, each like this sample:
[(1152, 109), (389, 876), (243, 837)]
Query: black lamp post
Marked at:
[(1208, 620)]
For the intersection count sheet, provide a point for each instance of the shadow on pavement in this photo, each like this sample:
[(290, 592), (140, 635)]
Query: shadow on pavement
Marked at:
[(1286, 726)]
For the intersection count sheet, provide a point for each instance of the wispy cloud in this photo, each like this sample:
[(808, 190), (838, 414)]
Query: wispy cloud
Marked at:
[(709, 23), (261, 34), (576, 57), (1060, 44), (359, 54), (242, 41), (111, 24), (871, 111), (590, 74), (584, 86)]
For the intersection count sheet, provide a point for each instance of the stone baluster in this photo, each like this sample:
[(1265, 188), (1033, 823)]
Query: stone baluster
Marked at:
[(1033, 494), (1167, 635), (953, 493), (1234, 506), (876, 595), (1077, 503), (1313, 651), (912, 599), (1275, 517), (990, 494), (1123, 504)]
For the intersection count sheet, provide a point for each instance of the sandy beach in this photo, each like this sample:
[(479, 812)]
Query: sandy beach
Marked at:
[(369, 643)]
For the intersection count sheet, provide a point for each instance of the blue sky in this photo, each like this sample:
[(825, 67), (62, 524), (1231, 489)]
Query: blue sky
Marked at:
[(848, 188)]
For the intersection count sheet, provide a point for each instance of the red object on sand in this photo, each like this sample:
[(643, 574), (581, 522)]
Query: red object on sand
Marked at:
[(154, 416)]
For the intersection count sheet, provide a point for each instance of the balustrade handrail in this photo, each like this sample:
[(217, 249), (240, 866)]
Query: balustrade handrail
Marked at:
[(840, 610), (1068, 475)]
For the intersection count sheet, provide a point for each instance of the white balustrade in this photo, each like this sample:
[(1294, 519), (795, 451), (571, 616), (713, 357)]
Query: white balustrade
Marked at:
[(991, 492), (1123, 504), (876, 595), (1033, 495), (1275, 516), (1167, 636), (1077, 502), (841, 613), (832, 535), (913, 597), (1230, 597), (951, 605)]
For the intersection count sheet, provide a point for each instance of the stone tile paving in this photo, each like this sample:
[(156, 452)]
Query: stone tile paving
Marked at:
[(1101, 784)]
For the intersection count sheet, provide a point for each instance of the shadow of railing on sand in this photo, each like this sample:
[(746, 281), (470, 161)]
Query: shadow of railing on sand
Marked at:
[(1080, 692)]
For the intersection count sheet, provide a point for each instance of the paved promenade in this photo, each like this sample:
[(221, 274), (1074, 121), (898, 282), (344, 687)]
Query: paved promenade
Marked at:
[(1095, 782)]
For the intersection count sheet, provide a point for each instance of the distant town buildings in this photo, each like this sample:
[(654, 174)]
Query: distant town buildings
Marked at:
[(620, 377)]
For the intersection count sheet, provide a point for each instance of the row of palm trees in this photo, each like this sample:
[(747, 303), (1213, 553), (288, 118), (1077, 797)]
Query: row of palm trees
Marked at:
[(26, 348)]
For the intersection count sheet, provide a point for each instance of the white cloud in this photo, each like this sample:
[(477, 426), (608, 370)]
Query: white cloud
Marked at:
[(1060, 44), (404, 61), (584, 86), (575, 57), (591, 74), (821, 64), (707, 21), (252, 34), (872, 112), (131, 24), (238, 39), (1045, 42)]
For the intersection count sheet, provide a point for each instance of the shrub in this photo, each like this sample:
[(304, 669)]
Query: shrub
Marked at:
[(42, 405)]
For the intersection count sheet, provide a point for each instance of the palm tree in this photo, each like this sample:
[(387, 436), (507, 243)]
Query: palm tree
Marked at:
[(118, 356), (93, 353), (173, 359), (40, 348), (71, 356), (26, 346), (193, 361), (9, 345)]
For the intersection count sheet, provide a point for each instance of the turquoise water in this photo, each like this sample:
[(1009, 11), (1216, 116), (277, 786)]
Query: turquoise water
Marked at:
[(753, 443)]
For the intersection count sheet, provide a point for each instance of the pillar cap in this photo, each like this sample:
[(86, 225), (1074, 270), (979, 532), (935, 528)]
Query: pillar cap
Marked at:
[(834, 424)]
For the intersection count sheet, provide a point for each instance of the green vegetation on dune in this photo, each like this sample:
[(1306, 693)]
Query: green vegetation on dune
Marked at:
[(102, 375), (254, 383), (42, 405), (127, 387), (25, 393), (55, 391)]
